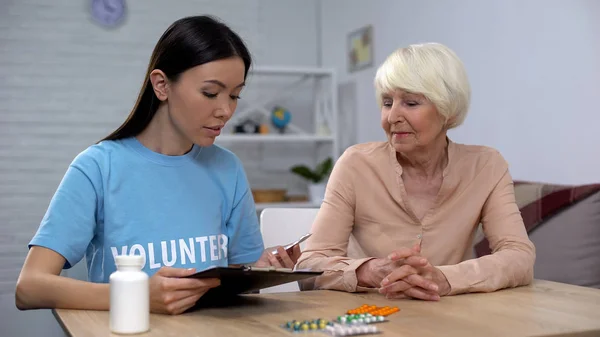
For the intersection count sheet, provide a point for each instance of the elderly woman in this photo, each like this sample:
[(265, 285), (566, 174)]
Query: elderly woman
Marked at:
[(411, 206)]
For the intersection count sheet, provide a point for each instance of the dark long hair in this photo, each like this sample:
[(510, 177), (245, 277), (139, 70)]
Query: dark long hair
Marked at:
[(187, 43)]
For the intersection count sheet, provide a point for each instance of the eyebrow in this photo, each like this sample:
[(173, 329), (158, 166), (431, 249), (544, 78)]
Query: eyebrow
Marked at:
[(222, 85), (414, 96)]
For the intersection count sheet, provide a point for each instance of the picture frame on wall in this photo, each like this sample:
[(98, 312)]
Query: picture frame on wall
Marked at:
[(360, 49)]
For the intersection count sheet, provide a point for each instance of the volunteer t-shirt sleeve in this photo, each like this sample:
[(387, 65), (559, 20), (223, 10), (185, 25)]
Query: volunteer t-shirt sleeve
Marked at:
[(69, 223), (243, 230)]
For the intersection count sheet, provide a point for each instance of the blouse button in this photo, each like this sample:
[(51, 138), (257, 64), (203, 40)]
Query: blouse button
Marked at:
[(419, 236)]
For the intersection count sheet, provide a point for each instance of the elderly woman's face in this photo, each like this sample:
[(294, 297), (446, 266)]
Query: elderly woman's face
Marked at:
[(410, 121)]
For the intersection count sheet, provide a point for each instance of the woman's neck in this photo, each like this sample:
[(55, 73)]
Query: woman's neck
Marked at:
[(161, 135), (427, 163)]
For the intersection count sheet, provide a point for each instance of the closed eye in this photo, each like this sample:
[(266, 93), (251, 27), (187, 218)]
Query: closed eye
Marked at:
[(234, 97), (209, 95)]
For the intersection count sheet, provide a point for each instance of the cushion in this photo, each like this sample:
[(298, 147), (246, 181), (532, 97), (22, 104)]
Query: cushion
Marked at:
[(563, 222), (568, 245)]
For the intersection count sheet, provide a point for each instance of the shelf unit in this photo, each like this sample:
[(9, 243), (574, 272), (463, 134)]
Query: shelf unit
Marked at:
[(324, 130), (325, 108)]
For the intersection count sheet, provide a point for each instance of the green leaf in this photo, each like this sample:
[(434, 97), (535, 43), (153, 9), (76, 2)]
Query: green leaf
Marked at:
[(318, 175), (324, 168), (306, 173)]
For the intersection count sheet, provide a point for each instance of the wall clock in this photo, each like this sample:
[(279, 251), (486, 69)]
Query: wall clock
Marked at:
[(108, 13)]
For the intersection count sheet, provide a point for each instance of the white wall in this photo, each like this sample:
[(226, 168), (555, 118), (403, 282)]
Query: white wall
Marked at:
[(66, 82), (534, 68)]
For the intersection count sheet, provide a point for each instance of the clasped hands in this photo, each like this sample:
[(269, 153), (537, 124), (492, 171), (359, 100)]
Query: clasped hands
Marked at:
[(404, 274)]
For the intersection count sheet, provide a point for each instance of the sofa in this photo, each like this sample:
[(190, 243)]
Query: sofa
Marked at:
[(563, 222)]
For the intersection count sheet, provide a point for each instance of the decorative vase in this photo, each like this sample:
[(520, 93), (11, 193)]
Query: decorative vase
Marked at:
[(316, 192)]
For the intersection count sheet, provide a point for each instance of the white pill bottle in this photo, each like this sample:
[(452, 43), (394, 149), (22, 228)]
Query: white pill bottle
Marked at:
[(129, 296)]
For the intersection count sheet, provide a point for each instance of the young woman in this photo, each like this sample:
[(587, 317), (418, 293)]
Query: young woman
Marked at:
[(157, 186)]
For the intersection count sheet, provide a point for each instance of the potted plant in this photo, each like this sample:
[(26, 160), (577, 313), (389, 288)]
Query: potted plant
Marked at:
[(316, 178)]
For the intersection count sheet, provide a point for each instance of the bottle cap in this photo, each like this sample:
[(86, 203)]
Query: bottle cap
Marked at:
[(129, 260)]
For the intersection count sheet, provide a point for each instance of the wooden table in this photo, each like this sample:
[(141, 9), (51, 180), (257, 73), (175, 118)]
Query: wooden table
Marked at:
[(541, 309)]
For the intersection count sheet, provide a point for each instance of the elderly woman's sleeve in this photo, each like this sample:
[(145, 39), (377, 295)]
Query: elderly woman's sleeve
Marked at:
[(513, 254), (326, 249)]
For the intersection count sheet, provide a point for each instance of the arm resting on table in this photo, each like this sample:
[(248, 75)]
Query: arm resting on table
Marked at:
[(513, 254), (40, 285)]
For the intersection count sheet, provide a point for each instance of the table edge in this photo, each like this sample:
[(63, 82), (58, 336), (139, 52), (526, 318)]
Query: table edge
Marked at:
[(60, 322), (58, 312)]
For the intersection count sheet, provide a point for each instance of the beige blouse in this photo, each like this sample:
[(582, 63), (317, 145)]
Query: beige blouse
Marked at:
[(366, 214)]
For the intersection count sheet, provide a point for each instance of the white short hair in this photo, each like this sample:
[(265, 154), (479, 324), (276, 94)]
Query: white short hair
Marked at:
[(430, 69)]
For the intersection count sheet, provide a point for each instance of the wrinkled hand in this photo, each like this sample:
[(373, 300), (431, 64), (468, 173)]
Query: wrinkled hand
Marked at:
[(416, 278), (371, 273), (172, 294), (283, 258)]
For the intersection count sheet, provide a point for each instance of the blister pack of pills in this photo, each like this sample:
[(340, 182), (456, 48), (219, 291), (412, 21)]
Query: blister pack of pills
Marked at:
[(337, 329), (360, 319), (357, 321), (306, 325)]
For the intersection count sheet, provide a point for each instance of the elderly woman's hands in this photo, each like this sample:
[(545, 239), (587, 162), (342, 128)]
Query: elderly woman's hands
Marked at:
[(416, 278), (371, 273), (405, 273)]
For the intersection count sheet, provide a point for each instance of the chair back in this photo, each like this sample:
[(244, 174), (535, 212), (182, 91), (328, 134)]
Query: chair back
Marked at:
[(280, 226)]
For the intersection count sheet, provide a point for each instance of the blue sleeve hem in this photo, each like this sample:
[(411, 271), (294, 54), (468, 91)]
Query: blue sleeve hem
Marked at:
[(246, 258), (65, 252)]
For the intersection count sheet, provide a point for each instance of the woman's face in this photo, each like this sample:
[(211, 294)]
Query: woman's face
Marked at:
[(204, 98), (410, 121)]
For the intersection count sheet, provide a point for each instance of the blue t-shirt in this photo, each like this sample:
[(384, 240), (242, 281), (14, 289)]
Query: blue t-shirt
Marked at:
[(119, 197)]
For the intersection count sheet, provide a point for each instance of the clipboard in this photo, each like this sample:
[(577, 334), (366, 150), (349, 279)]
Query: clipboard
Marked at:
[(246, 279)]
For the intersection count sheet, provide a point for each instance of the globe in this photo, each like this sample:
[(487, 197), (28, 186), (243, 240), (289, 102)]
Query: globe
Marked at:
[(280, 118)]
